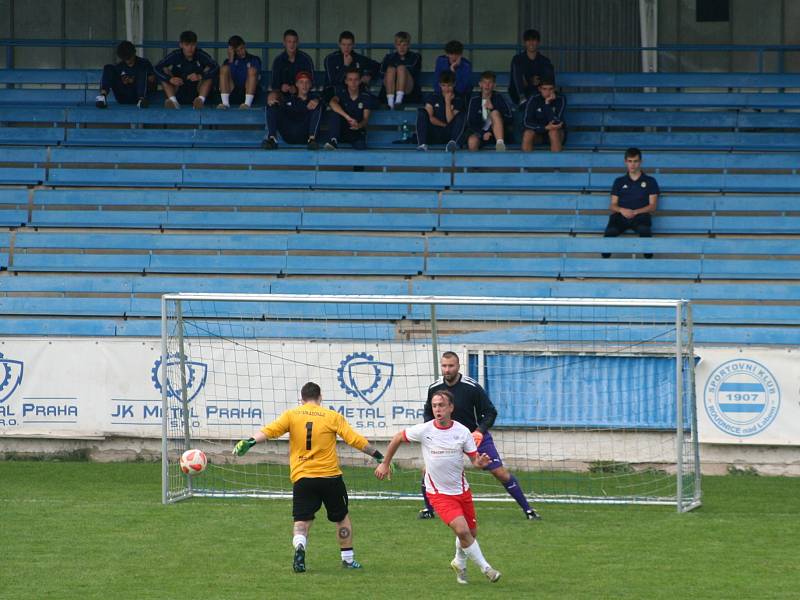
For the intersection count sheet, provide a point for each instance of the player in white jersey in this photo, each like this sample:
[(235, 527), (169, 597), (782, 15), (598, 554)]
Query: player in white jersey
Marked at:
[(444, 443)]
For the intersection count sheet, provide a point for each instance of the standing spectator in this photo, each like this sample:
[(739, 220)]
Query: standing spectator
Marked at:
[(401, 70), (287, 65), (544, 118), (528, 68), (349, 114), (633, 200), (453, 60), (338, 62), (443, 117), (187, 74), (130, 79), (487, 115), (239, 75), (296, 118)]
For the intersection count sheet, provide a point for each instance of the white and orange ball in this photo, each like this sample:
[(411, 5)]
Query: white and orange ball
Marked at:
[(193, 462)]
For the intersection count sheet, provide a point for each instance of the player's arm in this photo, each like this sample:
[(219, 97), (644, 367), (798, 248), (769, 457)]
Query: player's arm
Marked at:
[(209, 65), (362, 124), (486, 413), (275, 429), (384, 469), (336, 106), (479, 461), (356, 440)]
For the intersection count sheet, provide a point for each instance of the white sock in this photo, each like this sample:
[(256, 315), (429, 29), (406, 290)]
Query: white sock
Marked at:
[(226, 99), (461, 556), (390, 101), (174, 100), (202, 99), (248, 99), (474, 552), (348, 555), (299, 540), (398, 97)]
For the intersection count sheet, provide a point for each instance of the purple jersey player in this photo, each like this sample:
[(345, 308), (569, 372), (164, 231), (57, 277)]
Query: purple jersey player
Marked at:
[(475, 411)]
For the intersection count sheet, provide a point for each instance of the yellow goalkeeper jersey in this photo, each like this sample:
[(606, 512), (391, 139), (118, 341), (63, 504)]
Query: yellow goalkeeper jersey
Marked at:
[(312, 439)]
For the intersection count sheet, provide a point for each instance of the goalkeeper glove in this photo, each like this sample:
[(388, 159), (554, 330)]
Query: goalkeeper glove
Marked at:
[(242, 446), (478, 437), (377, 456)]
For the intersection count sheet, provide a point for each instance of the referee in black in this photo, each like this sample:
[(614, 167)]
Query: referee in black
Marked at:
[(475, 411)]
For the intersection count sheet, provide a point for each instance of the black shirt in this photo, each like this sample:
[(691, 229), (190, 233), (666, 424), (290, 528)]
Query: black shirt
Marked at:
[(335, 69), (439, 110), (634, 194), (523, 71), (473, 409), (355, 107)]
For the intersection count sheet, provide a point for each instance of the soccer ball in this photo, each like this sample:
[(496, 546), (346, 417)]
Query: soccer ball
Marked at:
[(193, 462)]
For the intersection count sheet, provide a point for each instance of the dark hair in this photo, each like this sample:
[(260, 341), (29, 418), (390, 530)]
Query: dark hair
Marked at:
[(188, 37), (235, 41), (454, 47), (403, 35), (126, 50), (489, 75), (447, 77), (347, 35), (445, 394), (310, 391), (633, 153), (450, 354), (531, 34), (352, 69), (289, 32), (547, 81)]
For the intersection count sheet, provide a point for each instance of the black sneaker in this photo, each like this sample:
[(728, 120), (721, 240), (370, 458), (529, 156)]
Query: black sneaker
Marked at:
[(312, 144), (299, 562), (532, 515), (269, 143), (426, 514), (354, 564), (331, 144), (101, 101)]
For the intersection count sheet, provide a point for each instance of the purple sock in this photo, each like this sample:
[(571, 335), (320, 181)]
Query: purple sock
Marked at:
[(512, 487), (428, 504)]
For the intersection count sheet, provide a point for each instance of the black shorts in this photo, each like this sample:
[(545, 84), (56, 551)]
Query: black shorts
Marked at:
[(309, 493)]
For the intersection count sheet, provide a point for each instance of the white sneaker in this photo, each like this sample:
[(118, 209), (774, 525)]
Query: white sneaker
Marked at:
[(461, 574), (101, 101), (500, 146), (422, 147), (492, 575)]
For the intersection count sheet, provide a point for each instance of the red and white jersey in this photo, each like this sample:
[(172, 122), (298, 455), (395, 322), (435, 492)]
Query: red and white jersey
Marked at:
[(443, 451)]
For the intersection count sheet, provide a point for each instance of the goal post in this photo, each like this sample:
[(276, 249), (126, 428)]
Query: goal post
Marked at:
[(595, 397)]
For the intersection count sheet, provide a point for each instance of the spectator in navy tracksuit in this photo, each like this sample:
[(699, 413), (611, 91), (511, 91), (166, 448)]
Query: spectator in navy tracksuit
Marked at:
[(453, 60), (401, 70), (487, 115), (130, 79), (633, 200), (443, 119), (349, 113), (544, 118), (239, 75), (286, 66), (528, 68), (187, 74), (337, 63), (296, 117)]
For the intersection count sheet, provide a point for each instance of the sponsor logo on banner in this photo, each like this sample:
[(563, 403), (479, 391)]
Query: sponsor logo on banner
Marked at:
[(10, 376), (195, 374), (363, 377), (742, 397)]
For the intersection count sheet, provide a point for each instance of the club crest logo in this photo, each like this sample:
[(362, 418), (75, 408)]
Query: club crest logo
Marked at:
[(741, 397), (195, 374), (10, 376), (361, 376)]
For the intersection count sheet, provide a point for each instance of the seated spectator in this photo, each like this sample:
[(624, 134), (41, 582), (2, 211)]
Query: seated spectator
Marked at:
[(296, 118), (286, 66), (130, 79), (187, 74), (633, 200), (239, 75), (487, 115), (544, 118), (337, 63), (453, 60), (401, 70), (443, 117), (349, 113), (528, 68)]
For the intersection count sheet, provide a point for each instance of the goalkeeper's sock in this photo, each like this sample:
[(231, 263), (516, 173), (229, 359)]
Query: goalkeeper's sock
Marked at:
[(348, 554), (299, 540), (475, 554), (428, 504), (515, 491), (461, 556)]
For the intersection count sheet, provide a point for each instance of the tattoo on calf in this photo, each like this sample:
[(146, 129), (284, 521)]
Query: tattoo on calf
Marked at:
[(344, 533)]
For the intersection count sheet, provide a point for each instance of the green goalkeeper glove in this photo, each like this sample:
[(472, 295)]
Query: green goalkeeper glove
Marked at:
[(242, 446)]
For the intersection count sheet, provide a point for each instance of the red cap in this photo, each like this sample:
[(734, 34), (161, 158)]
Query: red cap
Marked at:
[(302, 74)]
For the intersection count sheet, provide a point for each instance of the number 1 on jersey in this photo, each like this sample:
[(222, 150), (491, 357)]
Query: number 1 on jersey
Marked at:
[(309, 427)]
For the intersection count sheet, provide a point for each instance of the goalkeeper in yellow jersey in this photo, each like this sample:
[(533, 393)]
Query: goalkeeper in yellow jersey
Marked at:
[(314, 469)]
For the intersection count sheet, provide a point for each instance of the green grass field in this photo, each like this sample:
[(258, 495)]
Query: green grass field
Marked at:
[(85, 530)]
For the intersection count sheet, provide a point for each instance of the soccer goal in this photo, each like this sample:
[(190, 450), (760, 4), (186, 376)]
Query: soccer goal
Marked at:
[(595, 398)]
